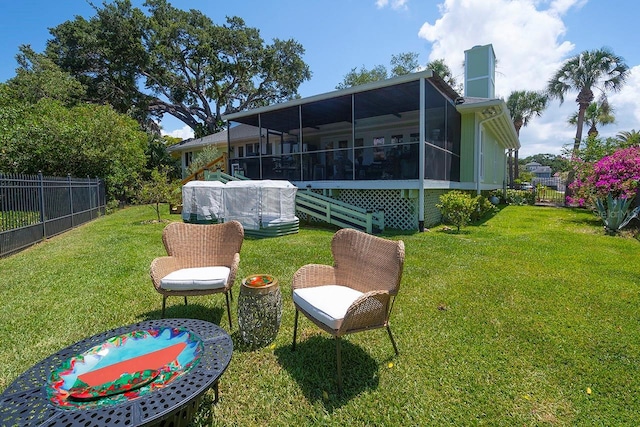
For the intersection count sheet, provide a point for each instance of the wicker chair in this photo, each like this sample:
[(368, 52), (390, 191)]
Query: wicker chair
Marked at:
[(356, 293), (202, 259)]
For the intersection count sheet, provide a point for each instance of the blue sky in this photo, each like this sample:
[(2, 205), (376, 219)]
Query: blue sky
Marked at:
[(531, 38)]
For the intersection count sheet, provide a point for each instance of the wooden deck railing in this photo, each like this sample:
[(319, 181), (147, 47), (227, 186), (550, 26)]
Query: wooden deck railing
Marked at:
[(219, 164), (338, 213)]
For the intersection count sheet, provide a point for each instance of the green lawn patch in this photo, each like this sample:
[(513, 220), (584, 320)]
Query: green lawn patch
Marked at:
[(510, 322)]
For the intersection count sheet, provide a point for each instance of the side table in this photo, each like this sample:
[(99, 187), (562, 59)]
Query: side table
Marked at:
[(259, 309)]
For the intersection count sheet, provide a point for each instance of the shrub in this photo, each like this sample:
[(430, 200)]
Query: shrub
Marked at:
[(617, 174), (610, 186), (483, 207), (499, 194), (457, 207), (159, 189), (203, 158), (520, 197)]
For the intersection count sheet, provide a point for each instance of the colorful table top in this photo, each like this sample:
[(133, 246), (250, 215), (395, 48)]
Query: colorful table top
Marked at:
[(116, 376)]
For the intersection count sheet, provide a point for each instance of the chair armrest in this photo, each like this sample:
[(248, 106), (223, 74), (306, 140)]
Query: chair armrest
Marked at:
[(162, 266), (311, 275), (233, 270), (369, 311)]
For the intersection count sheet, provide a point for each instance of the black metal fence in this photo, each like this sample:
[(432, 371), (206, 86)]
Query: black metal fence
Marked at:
[(549, 190), (35, 207)]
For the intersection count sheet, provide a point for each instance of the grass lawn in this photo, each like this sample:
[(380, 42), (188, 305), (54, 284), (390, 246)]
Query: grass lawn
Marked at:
[(529, 318)]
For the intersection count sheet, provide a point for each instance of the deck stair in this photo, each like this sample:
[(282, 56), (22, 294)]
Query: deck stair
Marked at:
[(339, 213)]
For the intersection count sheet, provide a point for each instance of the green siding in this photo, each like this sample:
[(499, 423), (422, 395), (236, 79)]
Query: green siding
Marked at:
[(467, 148), (493, 160)]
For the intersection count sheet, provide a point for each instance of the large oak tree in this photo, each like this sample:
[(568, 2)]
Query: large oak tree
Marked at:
[(171, 61)]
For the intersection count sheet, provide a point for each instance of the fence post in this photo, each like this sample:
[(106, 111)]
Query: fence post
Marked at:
[(42, 218), (70, 197), (90, 191)]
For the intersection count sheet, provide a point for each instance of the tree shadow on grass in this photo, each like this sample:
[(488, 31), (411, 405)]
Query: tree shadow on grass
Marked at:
[(193, 310), (313, 366)]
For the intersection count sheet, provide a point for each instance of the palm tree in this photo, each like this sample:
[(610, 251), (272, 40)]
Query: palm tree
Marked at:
[(600, 69), (598, 113), (628, 138), (523, 106)]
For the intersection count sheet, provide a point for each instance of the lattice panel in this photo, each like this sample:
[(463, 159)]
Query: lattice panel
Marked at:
[(400, 213)]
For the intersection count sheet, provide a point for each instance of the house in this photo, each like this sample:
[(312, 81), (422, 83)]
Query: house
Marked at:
[(542, 175), (394, 145), (538, 170)]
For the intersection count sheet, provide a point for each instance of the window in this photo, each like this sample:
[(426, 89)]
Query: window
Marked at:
[(253, 149)]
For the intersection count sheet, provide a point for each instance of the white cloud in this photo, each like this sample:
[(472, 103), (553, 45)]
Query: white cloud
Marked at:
[(184, 132), (517, 31), (395, 4), (562, 6), (527, 37), (625, 103)]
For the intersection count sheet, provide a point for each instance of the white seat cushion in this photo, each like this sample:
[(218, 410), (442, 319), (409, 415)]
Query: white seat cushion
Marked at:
[(327, 304), (199, 278)]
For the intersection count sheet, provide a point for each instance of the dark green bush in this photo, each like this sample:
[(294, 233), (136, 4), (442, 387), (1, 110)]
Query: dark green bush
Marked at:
[(457, 207), (520, 197), (483, 207)]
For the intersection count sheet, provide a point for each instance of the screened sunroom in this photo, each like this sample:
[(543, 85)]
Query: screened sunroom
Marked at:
[(363, 134)]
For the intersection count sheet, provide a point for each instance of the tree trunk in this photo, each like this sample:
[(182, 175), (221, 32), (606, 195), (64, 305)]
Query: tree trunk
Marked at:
[(584, 99), (516, 169)]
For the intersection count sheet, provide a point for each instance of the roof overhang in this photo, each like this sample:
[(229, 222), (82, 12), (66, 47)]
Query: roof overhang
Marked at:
[(381, 84), (495, 116)]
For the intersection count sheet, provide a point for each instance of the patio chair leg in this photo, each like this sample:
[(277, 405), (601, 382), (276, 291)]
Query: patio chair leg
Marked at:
[(295, 330), (228, 310), (393, 342), (164, 303), (339, 360)]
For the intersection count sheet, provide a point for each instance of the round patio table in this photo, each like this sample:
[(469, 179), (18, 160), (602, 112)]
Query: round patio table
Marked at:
[(31, 399)]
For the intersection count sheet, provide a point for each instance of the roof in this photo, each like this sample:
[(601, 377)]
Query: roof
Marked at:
[(239, 132), (335, 106), (380, 84), (493, 115)]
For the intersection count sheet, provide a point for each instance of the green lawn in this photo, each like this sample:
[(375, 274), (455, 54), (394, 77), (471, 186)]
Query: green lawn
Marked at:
[(508, 323)]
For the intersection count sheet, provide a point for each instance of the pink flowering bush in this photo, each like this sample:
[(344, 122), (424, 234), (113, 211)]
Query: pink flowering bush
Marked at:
[(610, 185), (617, 175)]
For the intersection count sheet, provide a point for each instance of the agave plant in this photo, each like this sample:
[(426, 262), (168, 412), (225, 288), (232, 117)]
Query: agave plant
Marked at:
[(615, 212)]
